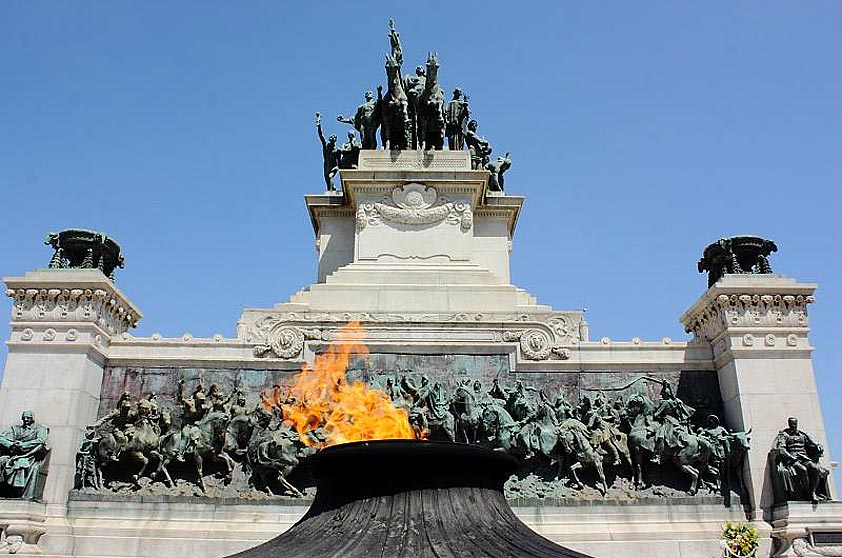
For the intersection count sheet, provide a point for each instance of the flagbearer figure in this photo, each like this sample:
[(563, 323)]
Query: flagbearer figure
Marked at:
[(330, 153)]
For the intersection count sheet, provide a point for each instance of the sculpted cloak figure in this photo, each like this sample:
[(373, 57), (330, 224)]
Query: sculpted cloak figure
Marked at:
[(797, 471), (456, 119), (478, 146), (366, 121), (23, 448), (349, 153)]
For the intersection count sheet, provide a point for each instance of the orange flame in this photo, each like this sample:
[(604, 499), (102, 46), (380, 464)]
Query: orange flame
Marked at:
[(322, 401)]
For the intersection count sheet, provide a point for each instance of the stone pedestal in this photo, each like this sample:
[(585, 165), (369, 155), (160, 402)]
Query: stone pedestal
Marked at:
[(756, 326), (806, 529), (414, 231), (63, 321)]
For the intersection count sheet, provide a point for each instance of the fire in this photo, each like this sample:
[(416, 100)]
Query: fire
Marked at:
[(321, 404)]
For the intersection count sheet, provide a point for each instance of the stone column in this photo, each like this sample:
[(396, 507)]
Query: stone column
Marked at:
[(756, 326), (62, 323)]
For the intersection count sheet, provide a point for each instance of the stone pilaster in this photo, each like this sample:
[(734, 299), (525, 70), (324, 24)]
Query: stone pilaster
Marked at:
[(62, 323), (756, 326)]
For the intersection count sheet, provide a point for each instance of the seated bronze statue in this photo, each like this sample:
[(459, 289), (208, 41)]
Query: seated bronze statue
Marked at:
[(796, 472)]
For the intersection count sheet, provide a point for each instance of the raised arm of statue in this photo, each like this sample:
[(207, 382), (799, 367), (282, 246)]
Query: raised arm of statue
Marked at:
[(345, 120), (319, 129), (395, 41)]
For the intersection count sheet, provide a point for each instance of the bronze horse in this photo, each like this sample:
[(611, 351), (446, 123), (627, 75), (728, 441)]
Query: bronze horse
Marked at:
[(431, 108), (693, 458), (395, 132)]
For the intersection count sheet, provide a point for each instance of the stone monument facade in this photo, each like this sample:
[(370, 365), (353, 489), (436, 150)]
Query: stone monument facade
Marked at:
[(168, 447)]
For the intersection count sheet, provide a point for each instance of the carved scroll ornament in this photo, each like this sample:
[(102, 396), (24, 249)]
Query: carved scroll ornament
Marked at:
[(284, 341)]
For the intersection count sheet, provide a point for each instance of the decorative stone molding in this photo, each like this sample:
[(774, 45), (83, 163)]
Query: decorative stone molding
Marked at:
[(745, 310), (21, 537), (11, 544), (802, 547), (283, 340), (540, 336), (415, 204), (414, 159), (536, 344), (71, 305)]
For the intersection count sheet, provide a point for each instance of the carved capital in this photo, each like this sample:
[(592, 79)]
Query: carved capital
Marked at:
[(101, 306), (749, 310)]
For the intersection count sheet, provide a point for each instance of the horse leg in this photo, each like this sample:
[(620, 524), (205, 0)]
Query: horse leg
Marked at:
[(144, 462), (637, 468), (286, 484), (166, 472), (573, 468), (197, 460), (694, 477), (601, 473), (159, 462), (229, 466)]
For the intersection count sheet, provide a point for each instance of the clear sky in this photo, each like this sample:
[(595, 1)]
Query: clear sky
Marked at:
[(640, 133)]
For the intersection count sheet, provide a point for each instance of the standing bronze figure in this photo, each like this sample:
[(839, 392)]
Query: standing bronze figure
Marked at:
[(365, 121), (330, 154), (456, 118)]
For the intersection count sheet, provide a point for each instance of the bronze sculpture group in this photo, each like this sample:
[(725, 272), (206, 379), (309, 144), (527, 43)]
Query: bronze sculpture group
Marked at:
[(630, 436), (412, 114), (211, 432)]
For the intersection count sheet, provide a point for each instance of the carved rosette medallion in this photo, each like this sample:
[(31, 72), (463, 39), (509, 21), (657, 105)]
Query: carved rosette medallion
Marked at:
[(283, 341), (415, 204), (536, 344)]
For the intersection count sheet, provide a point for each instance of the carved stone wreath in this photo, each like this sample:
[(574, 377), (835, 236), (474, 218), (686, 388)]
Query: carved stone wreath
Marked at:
[(536, 344), (283, 341), (415, 204)]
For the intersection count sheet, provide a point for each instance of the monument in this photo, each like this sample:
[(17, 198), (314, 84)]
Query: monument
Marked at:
[(171, 446)]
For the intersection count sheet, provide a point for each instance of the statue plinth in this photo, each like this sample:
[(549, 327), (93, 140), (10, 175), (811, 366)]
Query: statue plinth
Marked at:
[(420, 224)]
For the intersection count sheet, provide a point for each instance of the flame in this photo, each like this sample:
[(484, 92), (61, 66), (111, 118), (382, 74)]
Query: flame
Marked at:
[(321, 401)]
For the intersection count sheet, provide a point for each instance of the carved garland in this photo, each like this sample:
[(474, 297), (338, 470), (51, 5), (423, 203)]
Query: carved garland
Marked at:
[(415, 204)]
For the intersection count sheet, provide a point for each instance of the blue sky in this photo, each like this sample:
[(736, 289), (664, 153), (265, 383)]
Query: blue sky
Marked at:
[(640, 133)]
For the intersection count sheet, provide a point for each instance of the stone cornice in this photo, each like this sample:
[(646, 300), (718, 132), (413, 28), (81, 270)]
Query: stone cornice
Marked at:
[(591, 356), (55, 298), (760, 302)]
